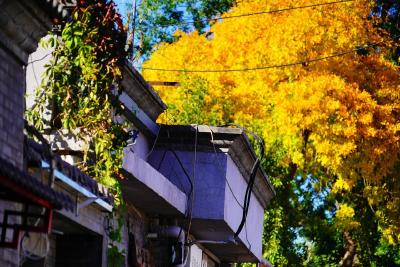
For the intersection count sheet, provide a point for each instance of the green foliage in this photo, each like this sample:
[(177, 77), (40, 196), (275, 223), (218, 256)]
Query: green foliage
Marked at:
[(299, 224), (79, 83), (77, 89), (157, 20), (116, 257), (318, 161)]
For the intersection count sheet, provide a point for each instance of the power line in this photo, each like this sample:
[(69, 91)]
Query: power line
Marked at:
[(185, 22), (40, 59), (303, 62)]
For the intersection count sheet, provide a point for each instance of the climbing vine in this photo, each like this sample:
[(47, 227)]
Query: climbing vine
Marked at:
[(79, 83), (78, 86)]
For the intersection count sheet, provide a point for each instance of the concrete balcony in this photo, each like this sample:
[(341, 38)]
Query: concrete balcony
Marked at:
[(218, 162)]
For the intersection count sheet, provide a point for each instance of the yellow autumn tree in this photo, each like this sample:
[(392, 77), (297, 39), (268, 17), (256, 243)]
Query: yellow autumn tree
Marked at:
[(339, 116)]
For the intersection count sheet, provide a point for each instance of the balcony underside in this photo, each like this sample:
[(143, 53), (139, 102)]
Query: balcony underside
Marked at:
[(218, 230)]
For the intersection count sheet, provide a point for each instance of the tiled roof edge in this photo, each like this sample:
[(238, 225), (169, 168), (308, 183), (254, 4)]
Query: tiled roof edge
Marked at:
[(57, 199), (74, 173)]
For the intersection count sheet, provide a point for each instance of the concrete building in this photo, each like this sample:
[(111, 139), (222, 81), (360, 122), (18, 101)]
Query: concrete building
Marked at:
[(184, 185)]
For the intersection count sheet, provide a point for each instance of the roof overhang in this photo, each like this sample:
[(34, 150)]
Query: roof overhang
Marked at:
[(70, 176), (57, 8), (19, 186), (135, 86), (217, 230)]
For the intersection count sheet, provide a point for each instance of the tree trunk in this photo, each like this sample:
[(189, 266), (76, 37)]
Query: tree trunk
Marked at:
[(351, 247)]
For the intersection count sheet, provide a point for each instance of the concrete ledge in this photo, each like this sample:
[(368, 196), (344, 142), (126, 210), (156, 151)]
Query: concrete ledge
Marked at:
[(141, 92), (148, 189)]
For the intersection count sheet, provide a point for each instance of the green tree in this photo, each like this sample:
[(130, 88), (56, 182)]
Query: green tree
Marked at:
[(157, 20)]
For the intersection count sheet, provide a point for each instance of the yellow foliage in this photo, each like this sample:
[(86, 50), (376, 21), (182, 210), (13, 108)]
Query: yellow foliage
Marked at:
[(347, 102), (348, 105), (345, 218), (341, 184)]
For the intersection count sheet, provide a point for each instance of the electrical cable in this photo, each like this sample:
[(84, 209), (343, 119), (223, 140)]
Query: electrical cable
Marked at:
[(188, 22), (218, 164), (193, 182), (184, 170), (189, 195), (48, 82), (154, 143), (34, 72), (303, 62), (247, 197), (39, 59), (228, 184), (180, 164), (253, 173)]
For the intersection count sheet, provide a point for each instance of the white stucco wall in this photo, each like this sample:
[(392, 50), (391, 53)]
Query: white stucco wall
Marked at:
[(34, 71)]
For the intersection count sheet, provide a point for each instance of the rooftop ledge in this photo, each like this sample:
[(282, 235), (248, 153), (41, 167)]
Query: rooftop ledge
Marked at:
[(141, 92)]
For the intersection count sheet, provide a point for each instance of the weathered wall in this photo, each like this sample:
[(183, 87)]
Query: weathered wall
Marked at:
[(89, 218), (8, 257), (136, 228)]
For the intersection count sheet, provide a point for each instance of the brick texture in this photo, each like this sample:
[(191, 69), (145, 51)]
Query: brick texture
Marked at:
[(12, 87), (22, 24)]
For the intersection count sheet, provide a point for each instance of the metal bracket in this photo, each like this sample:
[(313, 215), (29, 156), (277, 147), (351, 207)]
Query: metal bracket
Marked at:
[(84, 203)]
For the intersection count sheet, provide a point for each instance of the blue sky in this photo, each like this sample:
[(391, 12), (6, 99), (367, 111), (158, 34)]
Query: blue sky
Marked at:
[(122, 6)]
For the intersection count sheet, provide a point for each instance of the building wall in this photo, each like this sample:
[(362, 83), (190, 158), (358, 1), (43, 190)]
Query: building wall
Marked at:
[(8, 257), (135, 230), (12, 89), (141, 146), (89, 218), (22, 24)]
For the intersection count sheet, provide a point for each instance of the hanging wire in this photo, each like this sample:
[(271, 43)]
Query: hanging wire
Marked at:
[(253, 175), (285, 65), (228, 184), (39, 59), (193, 183), (34, 71), (154, 143), (189, 22)]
